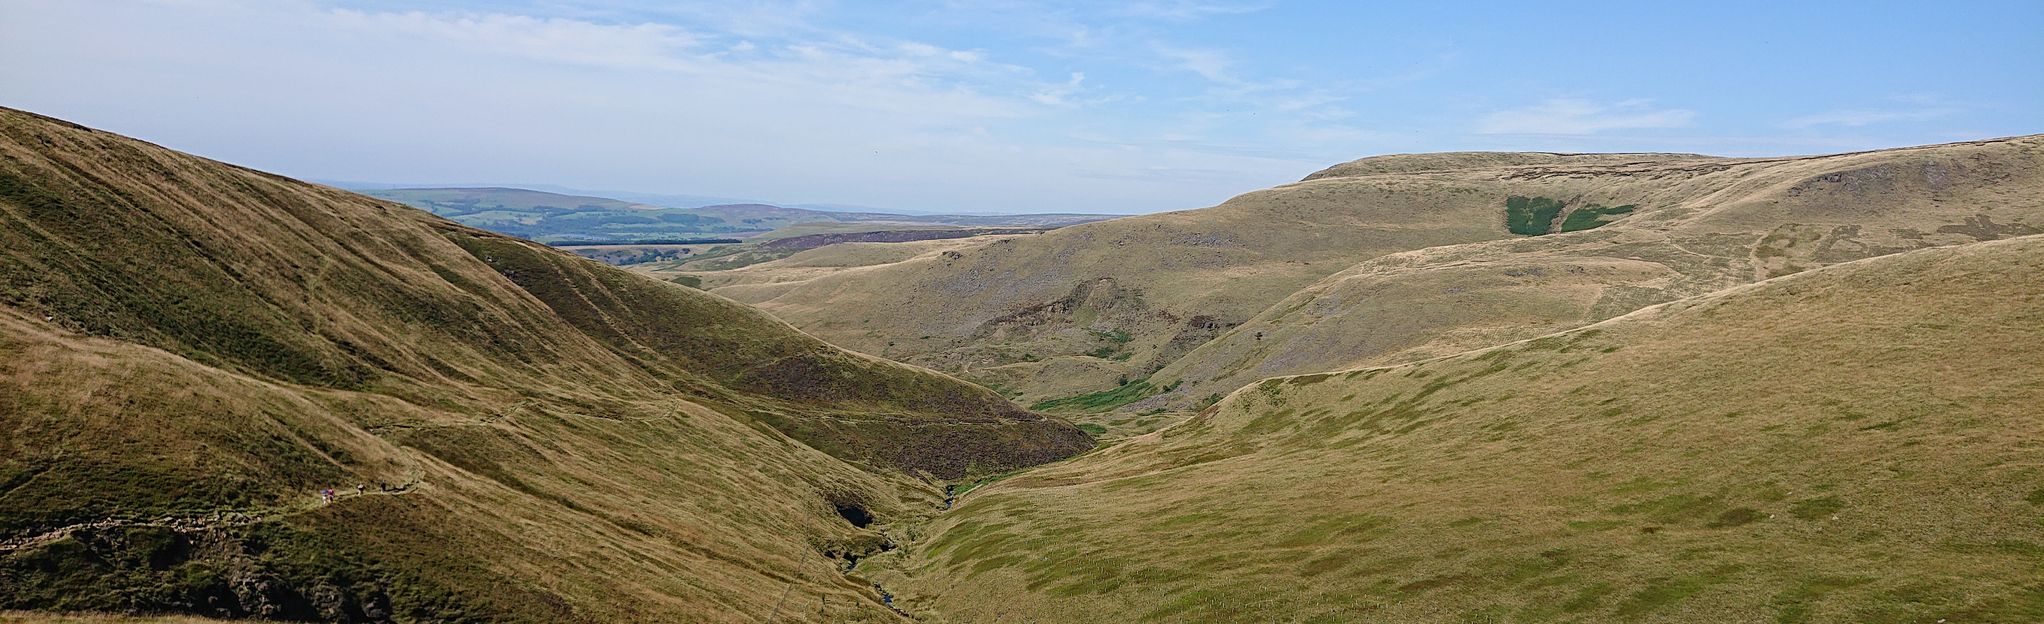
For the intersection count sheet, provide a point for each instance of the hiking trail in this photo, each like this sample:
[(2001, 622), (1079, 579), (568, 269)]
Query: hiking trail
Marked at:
[(212, 520)]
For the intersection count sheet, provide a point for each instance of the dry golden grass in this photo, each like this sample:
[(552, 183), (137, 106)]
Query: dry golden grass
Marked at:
[(1855, 443), (186, 346), (1171, 281), (761, 280), (188, 351), (1698, 231), (1388, 259)]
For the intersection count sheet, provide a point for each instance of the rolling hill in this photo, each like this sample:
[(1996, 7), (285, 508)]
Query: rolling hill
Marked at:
[(1746, 221), (192, 353), (1387, 259), (1852, 443), (1429, 388)]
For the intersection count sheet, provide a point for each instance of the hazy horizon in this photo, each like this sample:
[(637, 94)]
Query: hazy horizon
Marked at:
[(1000, 107), (671, 200)]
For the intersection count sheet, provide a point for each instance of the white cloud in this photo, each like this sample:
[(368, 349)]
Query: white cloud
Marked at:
[(1061, 95), (1853, 118), (1567, 116), (904, 76), (1210, 64), (735, 105), (646, 46), (1183, 10)]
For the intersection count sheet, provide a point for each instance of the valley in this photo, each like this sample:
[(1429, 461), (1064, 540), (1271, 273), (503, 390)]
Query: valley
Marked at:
[(185, 344), (1021, 312), (1468, 386), (1378, 261)]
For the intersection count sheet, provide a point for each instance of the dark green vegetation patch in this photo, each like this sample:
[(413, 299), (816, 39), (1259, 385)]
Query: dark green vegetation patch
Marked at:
[(1535, 216), (1531, 216), (1103, 400), (1593, 216)]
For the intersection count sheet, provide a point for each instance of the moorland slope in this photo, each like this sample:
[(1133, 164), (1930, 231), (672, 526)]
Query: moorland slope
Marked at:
[(1137, 292), (190, 351), (1719, 224), (1386, 259), (1854, 443)]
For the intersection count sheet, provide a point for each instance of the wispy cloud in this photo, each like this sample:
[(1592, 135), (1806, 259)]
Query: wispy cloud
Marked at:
[(1183, 10), (1853, 118), (709, 98), (852, 70), (1896, 108), (1214, 65), (1009, 103), (639, 46), (1570, 116), (1061, 95)]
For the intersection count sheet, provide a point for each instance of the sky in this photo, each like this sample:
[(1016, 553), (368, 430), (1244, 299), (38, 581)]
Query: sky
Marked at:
[(1003, 105)]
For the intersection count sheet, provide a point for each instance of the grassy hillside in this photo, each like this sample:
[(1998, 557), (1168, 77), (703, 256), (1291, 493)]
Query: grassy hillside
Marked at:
[(1027, 314), (1393, 258), (190, 351), (1855, 443), (776, 274), (1024, 312), (1734, 223)]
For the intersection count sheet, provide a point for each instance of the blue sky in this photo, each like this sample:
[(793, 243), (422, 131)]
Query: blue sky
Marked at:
[(1004, 105)]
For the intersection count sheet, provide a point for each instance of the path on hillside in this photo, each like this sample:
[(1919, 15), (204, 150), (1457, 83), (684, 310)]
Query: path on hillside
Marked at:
[(203, 522)]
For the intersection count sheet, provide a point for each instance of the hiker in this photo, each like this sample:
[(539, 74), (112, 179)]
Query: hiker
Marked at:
[(326, 495), (361, 489)]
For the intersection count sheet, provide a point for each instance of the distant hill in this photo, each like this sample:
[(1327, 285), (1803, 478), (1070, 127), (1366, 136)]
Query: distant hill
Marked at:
[(1383, 260), (812, 241), (547, 216), (191, 353)]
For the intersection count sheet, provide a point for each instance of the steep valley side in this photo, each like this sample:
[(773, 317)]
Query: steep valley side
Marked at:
[(231, 394)]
